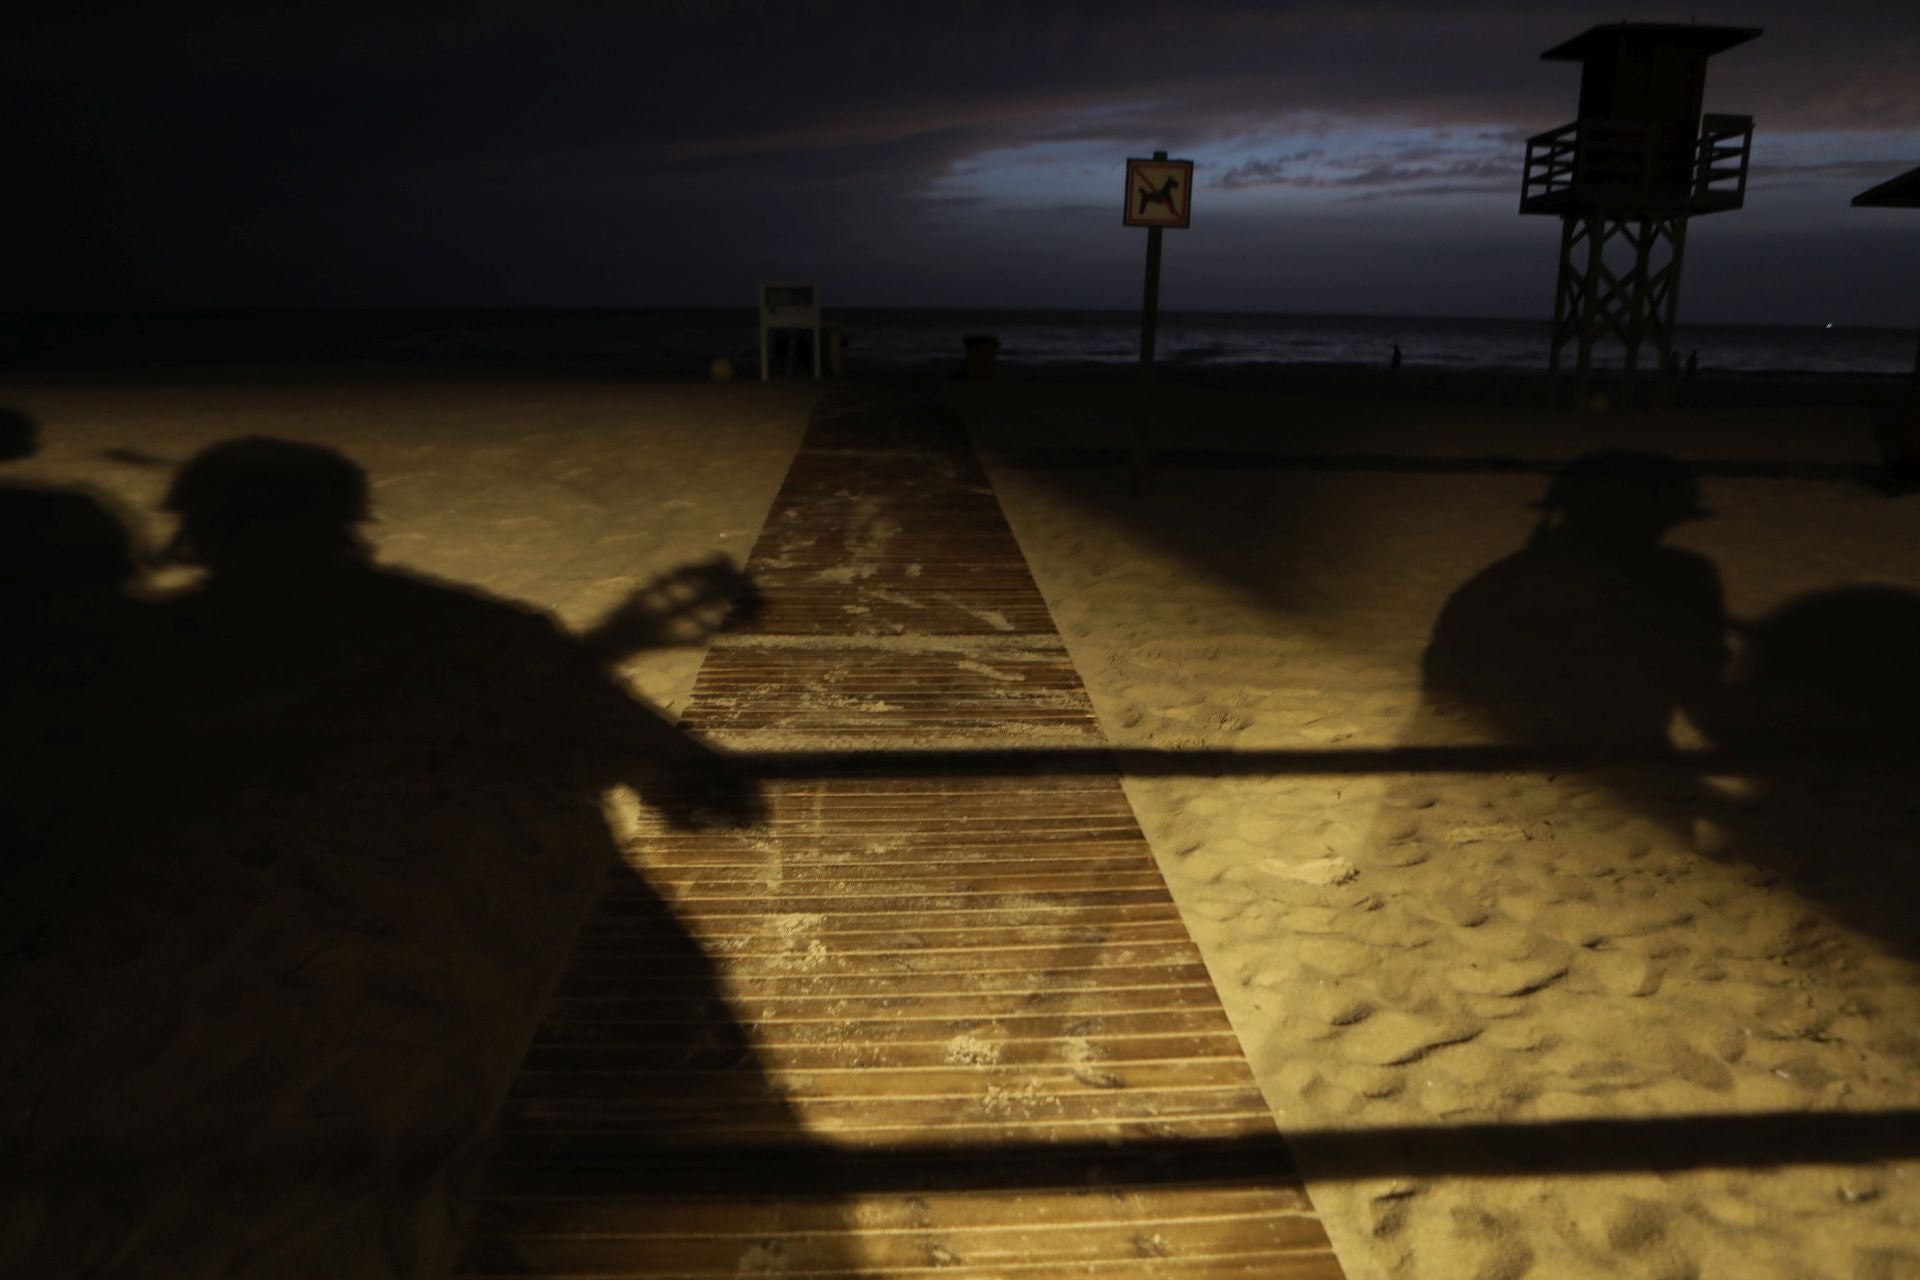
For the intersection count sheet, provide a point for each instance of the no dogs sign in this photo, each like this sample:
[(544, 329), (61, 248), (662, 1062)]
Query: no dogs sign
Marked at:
[(1159, 193)]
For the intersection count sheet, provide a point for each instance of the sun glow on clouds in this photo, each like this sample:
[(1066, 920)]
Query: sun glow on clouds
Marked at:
[(1859, 158), (1320, 163), (1323, 164)]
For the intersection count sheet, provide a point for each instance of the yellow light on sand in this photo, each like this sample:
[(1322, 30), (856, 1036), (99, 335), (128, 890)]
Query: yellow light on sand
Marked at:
[(721, 370)]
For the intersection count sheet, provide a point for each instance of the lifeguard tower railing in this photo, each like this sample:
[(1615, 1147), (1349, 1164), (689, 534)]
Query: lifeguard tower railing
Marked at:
[(1606, 165)]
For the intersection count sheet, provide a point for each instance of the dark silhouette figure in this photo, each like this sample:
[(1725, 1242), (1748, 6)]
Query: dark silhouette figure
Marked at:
[(1394, 363), (1826, 697), (1693, 363), (66, 559), (312, 844), (59, 549), (1586, 643), (1896, 437), (19, 435), (1594, 634)]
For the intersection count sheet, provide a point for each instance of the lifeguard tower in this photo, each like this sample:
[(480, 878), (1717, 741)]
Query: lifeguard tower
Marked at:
[(1639, 161), (1902, 192)]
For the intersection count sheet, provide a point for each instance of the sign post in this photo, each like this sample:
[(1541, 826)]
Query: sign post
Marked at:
[(1150, 305), (1159, 195)]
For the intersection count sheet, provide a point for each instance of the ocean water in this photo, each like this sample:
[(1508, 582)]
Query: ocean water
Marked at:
[(687, 340)]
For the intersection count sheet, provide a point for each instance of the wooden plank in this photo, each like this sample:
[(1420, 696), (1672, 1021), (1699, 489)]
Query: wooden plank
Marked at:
[(603, 957), (1047, 1089), (721, 879), (576, 1026), (915, 969), (846, 923), (929, 1247), (571, 1214), (757, 940), (557, 1054), (721, 1125)]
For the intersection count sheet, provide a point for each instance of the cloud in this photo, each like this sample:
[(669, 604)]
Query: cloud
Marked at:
[(1438, 189), (1416, 169), (1782, 175), (666, 125), (1459, 177), (1275, 171)]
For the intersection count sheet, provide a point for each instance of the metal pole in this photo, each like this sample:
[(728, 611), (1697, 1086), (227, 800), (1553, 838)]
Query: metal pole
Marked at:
[(1149, 322), (1150, 301)]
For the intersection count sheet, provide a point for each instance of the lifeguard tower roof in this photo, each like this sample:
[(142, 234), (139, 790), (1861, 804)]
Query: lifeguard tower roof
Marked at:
[(1902, 192), (1706, 41)]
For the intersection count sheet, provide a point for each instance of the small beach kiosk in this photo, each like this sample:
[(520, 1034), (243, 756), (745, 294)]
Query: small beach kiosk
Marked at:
[(1624, 178), (1902, 192), (788, 305)]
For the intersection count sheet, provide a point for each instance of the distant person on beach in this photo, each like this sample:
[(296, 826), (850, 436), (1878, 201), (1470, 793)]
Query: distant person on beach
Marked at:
[(1594, 633), (1395, 362), (1693, 363)]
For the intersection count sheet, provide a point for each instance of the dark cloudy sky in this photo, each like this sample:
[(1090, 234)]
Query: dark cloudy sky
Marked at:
[(1357, 157)]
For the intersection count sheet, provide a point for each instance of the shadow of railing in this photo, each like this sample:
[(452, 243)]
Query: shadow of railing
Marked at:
[(1558, 1148), (1549, 1148), (1042, 458), (989, 761), (1144, 762)]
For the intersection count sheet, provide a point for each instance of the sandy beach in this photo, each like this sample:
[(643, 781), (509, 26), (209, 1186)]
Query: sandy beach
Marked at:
[(1529, 945), (1553, 940)]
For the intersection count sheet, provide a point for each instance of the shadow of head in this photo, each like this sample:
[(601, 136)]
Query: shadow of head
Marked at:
[(19, 435), (1839, 662), (60, 544), (258, 504), (1622, 496)]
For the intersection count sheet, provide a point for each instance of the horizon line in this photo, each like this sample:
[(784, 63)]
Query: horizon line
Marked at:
[(426, 307)]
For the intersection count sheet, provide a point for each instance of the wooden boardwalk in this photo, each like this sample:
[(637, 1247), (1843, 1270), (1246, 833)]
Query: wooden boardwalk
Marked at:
[(910, 1024)]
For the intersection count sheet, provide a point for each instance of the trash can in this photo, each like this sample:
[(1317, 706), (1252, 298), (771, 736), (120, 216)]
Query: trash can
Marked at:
[(834, 338), (982, 348)]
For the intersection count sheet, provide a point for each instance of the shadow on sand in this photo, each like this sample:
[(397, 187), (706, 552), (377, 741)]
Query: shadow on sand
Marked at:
[(1595, 636), (294, 862), (295, 859)]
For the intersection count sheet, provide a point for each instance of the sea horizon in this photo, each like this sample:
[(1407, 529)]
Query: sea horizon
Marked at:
[(689, 339)]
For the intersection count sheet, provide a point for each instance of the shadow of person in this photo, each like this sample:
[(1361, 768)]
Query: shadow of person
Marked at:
[(1825, 698), (67, 559), (19, 434), (1595, 633), (1575, 654), (355, 824)]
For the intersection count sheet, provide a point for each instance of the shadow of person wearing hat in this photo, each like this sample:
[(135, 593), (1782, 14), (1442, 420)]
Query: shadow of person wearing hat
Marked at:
[(1593, 634), (355, 830)]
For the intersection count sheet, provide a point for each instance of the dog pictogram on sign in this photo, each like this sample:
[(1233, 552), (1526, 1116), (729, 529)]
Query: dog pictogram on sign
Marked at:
[(1159, 193)]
